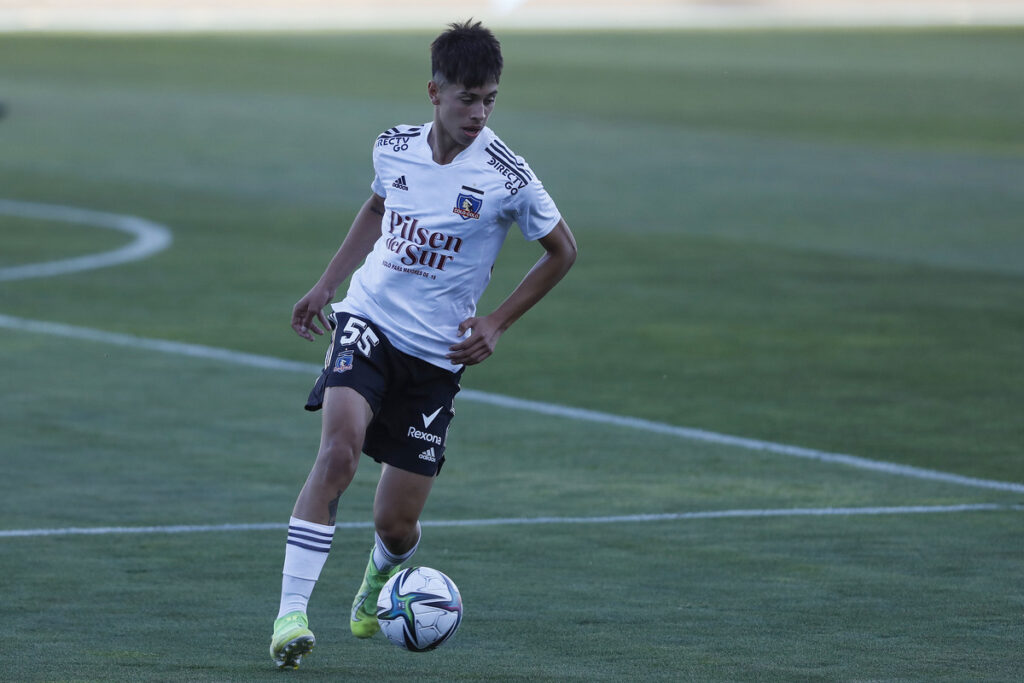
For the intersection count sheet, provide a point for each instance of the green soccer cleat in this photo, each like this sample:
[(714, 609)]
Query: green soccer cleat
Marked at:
[(364, 607), (292, 639)]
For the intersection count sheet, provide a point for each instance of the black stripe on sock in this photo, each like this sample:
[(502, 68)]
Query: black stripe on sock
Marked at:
[(311, 539), (308, 547), (304, 530)]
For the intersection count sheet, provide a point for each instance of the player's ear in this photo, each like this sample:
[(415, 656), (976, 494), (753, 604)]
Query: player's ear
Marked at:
[(434, 93)]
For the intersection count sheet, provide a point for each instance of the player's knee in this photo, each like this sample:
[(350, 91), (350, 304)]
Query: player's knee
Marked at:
[(399, 533), (337, 462)]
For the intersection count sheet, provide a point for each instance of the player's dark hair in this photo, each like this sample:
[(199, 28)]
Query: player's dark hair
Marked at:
[(467, 54)]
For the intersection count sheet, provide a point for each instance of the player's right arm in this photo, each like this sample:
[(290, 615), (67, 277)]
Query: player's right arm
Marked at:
[(358, 243)]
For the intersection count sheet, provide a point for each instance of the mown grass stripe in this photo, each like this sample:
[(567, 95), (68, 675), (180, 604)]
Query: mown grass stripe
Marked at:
[(551, 409)]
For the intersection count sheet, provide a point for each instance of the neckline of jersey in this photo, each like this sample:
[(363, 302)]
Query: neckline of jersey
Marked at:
[(460, 158)]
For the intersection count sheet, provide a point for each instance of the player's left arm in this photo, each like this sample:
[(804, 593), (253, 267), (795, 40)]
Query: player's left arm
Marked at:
[(559, 255)]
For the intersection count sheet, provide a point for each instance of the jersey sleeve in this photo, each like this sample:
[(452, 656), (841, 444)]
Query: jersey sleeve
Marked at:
[(534, 211), (377, 186)]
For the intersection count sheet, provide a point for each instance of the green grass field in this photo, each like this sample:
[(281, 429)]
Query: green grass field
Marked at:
[(805, 238)]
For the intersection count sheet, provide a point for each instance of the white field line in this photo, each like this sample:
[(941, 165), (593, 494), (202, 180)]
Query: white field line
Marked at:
[(550, 409), (692, 434), (150, 238), (528, 521)]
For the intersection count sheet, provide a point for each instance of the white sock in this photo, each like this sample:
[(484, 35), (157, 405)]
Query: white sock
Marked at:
[(295, 593), (385, 560), (304, 556)]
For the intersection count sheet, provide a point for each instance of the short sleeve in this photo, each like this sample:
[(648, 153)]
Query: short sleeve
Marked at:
[(378, 187), (534, 211)]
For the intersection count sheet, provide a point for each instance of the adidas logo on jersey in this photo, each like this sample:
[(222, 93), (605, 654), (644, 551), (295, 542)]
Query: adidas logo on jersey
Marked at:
[(400, 184), (428, 455)]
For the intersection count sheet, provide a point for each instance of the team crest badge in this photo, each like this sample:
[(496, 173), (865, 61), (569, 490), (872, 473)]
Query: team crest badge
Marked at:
[(344, 362), (468, 206)]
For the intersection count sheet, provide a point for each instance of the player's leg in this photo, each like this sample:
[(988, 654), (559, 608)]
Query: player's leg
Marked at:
[(311, 527), (408, 437), (345, 419), (397, 506)]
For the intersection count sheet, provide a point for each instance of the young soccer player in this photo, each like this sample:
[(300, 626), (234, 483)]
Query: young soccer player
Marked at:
[(445, 194)]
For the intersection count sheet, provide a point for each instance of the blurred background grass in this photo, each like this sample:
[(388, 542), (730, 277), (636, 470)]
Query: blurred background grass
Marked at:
[(810, 237)]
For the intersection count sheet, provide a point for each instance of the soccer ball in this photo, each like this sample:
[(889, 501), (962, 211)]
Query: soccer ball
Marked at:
[(419, 608)]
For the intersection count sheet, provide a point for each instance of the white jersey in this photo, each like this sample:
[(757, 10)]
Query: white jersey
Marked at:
[(442, 229)]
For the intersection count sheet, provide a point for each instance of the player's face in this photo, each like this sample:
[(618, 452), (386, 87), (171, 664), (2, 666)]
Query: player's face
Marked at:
[(462, 112)]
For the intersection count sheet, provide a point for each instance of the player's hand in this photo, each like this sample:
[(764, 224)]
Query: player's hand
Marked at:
[(483, 337), (310, 309)]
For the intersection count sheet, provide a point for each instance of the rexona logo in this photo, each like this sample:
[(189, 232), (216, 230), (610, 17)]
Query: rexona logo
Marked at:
[(424, 436), (420, 246)]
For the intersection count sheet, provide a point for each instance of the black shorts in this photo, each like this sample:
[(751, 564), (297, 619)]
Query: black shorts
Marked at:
[(413, 401)]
